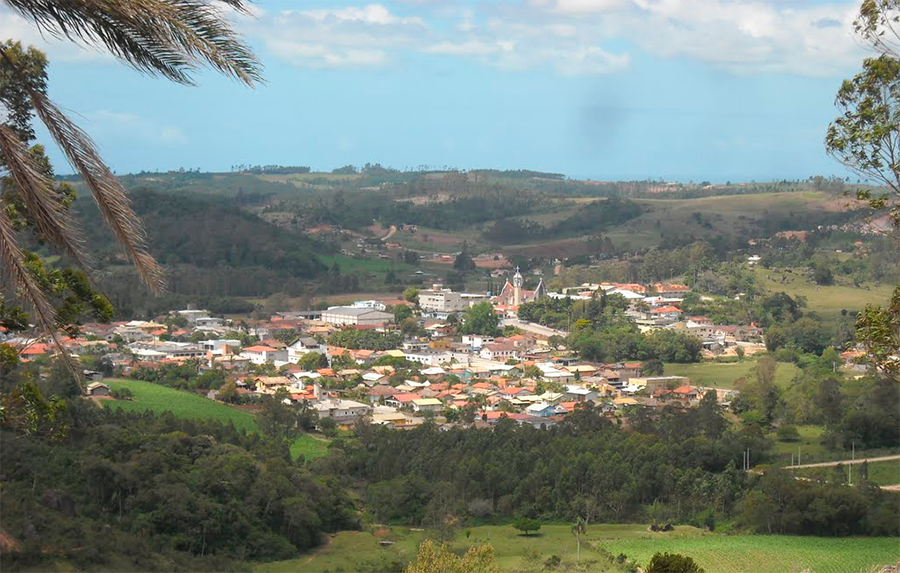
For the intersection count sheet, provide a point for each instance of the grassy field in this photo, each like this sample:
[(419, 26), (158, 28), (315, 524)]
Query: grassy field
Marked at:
[(156, 398), (881, 473), (149, 396), (824, 299), (765, 553), (311, 447), (717, 553), (810, 444), (723, 374)]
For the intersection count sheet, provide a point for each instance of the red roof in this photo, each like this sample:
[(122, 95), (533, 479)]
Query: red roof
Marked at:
[(666, 309), (684, 390), (259, 349), (404, 398)]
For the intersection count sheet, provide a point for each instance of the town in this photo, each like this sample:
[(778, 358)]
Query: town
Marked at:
[(524, 372)]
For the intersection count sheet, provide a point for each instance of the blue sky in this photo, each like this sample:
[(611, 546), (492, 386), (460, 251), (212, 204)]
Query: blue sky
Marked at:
[(601, 89)]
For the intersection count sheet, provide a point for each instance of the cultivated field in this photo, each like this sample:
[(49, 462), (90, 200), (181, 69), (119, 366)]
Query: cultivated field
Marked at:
[(766, 553), (717, 553)]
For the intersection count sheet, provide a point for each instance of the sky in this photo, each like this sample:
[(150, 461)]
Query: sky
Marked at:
[(682, 90)]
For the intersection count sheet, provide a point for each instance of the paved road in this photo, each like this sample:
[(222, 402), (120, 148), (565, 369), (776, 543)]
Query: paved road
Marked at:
[(535, 328), (844, 462)]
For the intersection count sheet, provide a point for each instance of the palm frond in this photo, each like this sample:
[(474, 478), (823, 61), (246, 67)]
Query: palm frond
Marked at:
[(108, 193), (36, 191), (172, 38), (17, 277)]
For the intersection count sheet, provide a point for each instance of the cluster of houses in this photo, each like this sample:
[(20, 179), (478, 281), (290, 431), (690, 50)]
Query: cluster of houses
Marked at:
[(439, 374)]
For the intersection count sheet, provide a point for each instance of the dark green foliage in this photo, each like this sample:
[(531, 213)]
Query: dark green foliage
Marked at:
[(365, 339), (584, 464), (672, 563), (782, 504), (527, 525), (131, 491), (480, 319)]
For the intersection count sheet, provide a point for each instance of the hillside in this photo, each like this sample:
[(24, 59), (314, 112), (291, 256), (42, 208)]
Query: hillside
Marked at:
[(210, 247)]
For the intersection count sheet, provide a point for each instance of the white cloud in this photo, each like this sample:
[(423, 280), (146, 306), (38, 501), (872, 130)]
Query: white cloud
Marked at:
[(15, 27), (107, 122)]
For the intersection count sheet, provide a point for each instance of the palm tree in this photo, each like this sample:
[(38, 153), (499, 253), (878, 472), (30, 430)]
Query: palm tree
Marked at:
[(579, 528), (168, 38)]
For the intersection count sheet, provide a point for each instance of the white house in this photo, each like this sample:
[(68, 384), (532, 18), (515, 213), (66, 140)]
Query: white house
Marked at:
[(427, 405), (343, 411), (303, 346), (499, 352), (262, 354)]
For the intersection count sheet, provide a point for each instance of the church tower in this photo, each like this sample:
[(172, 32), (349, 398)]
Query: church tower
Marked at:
[(517, 288)]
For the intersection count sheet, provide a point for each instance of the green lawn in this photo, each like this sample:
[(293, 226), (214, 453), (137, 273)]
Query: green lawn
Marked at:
[(157, 398), (723, 374), (717, 553)]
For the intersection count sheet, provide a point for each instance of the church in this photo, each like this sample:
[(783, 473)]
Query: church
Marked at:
[(512, 294)]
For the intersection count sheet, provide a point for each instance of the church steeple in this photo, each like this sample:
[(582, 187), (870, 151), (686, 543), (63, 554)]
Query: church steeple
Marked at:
[(518, 281)]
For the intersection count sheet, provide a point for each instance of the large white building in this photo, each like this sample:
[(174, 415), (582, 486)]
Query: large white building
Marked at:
[(342, 315), (438, 300)]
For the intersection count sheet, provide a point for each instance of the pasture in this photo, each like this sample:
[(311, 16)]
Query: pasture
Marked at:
[(159, 399), (829, 300), (723, 374), (378, 548)]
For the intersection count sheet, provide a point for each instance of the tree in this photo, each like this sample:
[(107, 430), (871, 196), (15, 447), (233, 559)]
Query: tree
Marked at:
[(480, 319), (312, 361), (878, 329), (653, 368), (464, 262), (525, 525), (228, 392), (435, 558), (822, 275), (169, 39), (740, 352), (401, 313), (279, 419), (579, 528), (672, 563), (411, 294)]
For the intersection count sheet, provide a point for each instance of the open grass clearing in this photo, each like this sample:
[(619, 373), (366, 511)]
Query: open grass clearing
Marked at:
[(828, 300), (157, 398), (716, 552), (881, 473), (160, 399), (723, 374)]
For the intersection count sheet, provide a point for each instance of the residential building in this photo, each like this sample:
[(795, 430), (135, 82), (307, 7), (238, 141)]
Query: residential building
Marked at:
[(303, 346), (263, 354), (343, 411)]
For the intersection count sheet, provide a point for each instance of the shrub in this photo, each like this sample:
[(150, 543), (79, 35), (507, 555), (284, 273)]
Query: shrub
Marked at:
[(672, 563), (122, 393), (788, 433)]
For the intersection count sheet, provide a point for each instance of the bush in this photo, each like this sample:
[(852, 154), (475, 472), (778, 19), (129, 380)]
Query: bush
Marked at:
[(788, 433), (122, 393), (672, 563)]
